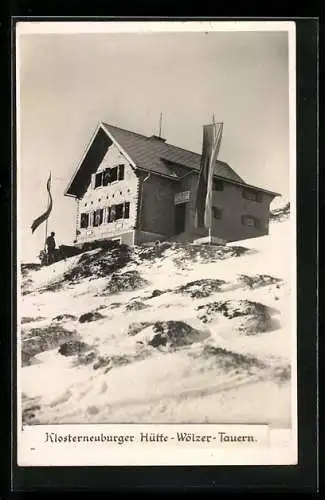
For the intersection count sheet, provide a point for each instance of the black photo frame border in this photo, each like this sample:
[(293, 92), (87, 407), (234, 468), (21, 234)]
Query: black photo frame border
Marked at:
[(299, 478)]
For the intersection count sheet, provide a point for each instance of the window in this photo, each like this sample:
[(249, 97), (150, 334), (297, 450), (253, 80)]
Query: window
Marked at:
[(84, 221), (250, 221), (116, 212), (98, 217), (112, 213), (217, 185), (216, 213), (113, 174), (98, 179), (119, 211), (107, 177), (250, 194), (127, 210), (120, 172)]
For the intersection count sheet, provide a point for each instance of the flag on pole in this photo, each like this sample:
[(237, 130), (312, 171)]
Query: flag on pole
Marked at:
[(212, 135), (37, 222)]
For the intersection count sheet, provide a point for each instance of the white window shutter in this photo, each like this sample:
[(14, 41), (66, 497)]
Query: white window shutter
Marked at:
[(93, 177)]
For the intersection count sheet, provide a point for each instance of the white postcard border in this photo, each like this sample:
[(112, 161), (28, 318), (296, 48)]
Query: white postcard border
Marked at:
[(280, 446)]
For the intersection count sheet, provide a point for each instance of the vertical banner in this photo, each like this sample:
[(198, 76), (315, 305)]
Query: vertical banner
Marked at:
[(211, 144), (37, 222)]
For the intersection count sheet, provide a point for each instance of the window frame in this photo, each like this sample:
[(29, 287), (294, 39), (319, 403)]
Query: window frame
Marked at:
[(126, 209), (107, 171), (112, 170), (119, 207), (82, 215), (121, 169), (101, 216), (108, 215), (112, 210), (98, 174), (112, 213), (252, 195), (217, 210), (256, 221), (119, 173), (216, 182)]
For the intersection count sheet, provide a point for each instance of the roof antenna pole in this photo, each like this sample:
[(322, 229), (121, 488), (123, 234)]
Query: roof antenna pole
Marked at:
[(160, 123)]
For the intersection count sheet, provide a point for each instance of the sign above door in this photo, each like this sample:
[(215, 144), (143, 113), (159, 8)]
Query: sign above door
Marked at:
[(182, 197)]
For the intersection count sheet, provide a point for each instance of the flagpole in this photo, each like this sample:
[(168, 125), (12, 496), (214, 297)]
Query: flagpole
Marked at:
[(210, 228), (46, 222), (45, 235), (210, 150)]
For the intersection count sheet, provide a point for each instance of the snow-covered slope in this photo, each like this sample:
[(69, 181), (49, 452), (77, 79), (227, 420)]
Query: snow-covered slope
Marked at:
[(176, 333)]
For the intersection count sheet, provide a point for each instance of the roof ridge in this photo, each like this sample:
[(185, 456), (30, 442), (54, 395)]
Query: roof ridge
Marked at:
[(145, 154), (126, 130), (165, 143), (148, 137)]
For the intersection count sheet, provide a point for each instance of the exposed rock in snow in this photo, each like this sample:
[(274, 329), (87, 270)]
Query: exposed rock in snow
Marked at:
[(73, 347), (148, 345), (254, 316), (174, 334), (135, 328), (136, 305), (26, 268), (129, 280), (90, 316), (98, 263), (114, 305), (157, 293), (258, 280), (26, 319), (54, 286), (37, 340), (228, 360), (64, 317), (232, 309), (201, 288)]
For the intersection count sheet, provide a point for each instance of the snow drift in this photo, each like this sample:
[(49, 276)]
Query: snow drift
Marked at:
[(170, 333)]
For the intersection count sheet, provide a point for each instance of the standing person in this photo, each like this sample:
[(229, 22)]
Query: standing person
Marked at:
[(50, 245)]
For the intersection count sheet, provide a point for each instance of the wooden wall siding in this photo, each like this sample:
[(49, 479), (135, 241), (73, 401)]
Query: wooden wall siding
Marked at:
[(158, 208), (158, 212), (146, 237), (127, 238), (233, 206), (117, 192), (77, 218)]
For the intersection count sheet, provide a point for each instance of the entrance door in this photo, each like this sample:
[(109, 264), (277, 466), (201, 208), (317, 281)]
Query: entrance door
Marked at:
[(180, 214)]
